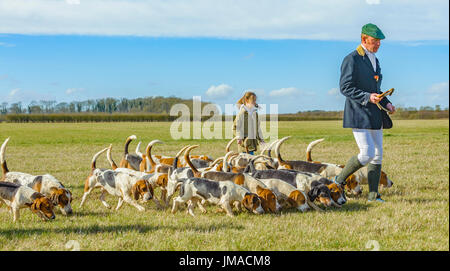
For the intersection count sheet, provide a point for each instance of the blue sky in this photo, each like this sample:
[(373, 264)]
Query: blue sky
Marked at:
[(59, 58)]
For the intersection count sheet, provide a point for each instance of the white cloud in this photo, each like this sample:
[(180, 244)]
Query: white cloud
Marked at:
[(5, 44), (333, 92), (219, 91), (268, 19), (437, 94), (73, 90), (14, 92), (73, 2), (373, 2), (282, 92), (438, 88)]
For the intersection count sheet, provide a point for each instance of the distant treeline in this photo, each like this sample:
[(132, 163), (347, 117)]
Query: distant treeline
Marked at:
[(158, 104), (402, 113)]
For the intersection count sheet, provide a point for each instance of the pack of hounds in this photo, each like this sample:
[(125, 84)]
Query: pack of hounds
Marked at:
[(257, 183)]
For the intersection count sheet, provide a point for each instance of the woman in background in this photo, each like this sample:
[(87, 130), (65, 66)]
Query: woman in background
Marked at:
[(247, 125)]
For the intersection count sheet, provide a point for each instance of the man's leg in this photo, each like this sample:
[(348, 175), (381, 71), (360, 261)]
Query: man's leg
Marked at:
[(366, 154), (374, 167)]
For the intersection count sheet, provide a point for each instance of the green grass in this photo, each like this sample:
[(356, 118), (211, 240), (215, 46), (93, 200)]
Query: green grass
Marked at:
[(414, 217)]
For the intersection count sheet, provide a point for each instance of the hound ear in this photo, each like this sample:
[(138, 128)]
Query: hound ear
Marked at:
[(246, 200), (313, 193), (150, 187), (259, 189), (135, 191), (36, 205), (291, 202), (255, 199), (54, 199)]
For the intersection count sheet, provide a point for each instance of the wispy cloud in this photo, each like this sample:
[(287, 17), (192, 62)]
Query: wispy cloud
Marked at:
[(219, 91), (73, 2), (438, 93), (14, 92), (5, 44), (308, 19), (373, 2), (439, 88), (70, 91), (283, 92)]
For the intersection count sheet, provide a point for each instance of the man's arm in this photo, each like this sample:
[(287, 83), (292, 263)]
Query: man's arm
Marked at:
[(347, 84)]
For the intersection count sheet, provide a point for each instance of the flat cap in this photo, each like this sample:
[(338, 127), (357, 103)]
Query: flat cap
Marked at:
[(373, 31)]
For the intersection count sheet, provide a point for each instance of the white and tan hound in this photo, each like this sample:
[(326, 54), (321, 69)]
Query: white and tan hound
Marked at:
[(45, 184), (126, 187), (17, 196), (225, 194), (155, 179), (268, 198), (289, 196), (357, 178)]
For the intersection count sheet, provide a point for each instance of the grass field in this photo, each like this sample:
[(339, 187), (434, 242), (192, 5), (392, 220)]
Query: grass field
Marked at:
[(414, 217)]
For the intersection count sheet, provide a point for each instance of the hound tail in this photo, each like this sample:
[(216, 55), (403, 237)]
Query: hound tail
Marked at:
[(94, 159), (188, 160), (310, 147), (138, 151), (2, 157), (127, 143), (226, 166), (227, 148), (177, 157), (148, 152), (215, 162), (277, 148), (110, 159)]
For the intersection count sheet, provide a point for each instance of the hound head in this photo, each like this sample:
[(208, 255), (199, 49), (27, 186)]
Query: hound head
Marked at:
[(337, 193), (206, 158), (352, 185), (43, 207), (252, 203), (296, 199), (385, 181), (268, 199), (162, 180), (142, 188), (321, 193), (62, 198)]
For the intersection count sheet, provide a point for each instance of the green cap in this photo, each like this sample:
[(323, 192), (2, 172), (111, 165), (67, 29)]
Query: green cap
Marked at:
[(373, 31)]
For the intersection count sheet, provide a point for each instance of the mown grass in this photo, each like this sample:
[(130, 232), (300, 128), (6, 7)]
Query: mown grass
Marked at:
[(414, 217)]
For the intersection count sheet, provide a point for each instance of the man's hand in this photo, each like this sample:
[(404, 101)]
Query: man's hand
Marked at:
[(374, 98), (391, 108)]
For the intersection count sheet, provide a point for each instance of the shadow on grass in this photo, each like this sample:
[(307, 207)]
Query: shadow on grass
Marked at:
[(350, 206), (89, 213), (95, 229)]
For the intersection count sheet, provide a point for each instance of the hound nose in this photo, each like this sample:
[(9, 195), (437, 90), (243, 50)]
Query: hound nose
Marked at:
[(53, 217)]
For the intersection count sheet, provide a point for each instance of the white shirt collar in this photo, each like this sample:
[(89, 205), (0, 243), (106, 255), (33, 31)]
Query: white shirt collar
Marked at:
[(249, 110), (367, 51), (371, 56)]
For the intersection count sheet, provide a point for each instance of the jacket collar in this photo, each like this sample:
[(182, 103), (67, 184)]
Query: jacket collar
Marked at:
[(249, 110), (362, 53)]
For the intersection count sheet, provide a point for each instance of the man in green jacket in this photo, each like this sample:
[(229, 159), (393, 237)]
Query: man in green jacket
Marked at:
[(360, 83)]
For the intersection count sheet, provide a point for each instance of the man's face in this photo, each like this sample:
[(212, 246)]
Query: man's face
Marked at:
[(372, 44)]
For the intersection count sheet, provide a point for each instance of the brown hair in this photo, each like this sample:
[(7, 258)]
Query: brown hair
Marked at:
[(245, 98)]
